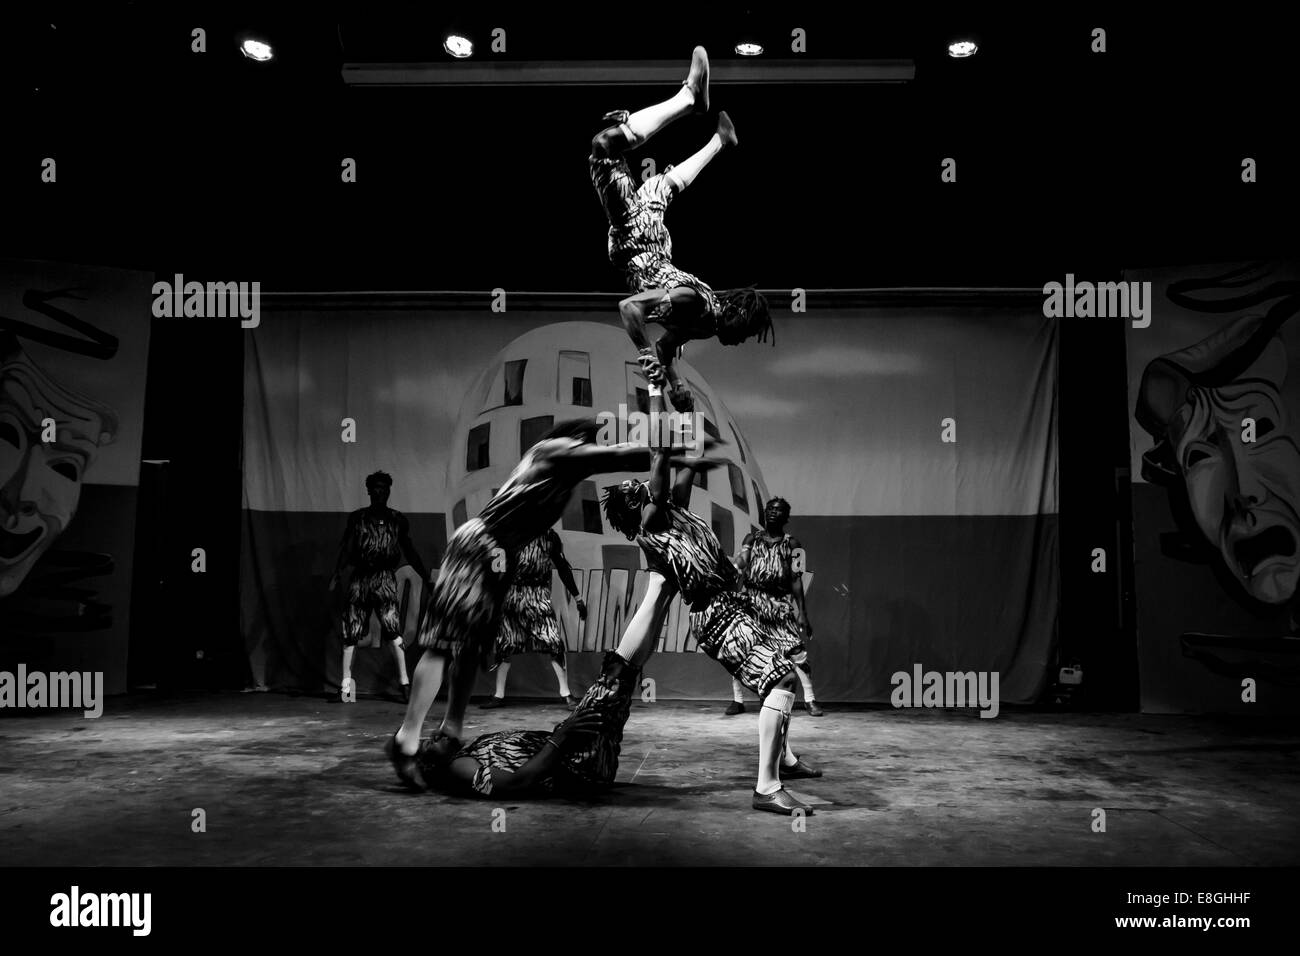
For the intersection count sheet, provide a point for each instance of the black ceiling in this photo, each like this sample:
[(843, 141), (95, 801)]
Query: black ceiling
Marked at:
[(1067, 160)]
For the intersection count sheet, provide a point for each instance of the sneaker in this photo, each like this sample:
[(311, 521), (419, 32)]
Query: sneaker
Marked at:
[(727, 130), (813, 709), (698, 79), (492, 702), (799, 770), (734, 708), (780, 802), (569, 701)]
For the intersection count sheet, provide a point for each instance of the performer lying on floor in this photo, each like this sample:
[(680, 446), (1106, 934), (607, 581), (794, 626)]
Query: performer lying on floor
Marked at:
[(579, 755), (684, 556), (640, 247)]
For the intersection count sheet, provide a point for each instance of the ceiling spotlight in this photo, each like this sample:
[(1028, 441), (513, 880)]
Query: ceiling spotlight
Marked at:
[(256, 50), (962, 48), (749, 49), (458, 46)]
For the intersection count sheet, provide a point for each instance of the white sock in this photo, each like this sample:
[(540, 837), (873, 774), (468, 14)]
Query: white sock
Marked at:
[(737, 691), (806, 679), (684, 173), (563, 676), (502, 670), (771, 722), (645, 123), (788, 759)]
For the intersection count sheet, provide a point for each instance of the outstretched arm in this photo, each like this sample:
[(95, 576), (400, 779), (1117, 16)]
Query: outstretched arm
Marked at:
[(565, 571)]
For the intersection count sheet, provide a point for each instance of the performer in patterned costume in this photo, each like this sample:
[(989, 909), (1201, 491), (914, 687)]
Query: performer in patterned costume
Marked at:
[(685, 557), (641, 249), (461, 618), (376, 541), (579, 755), (767, 562), (528, 623)]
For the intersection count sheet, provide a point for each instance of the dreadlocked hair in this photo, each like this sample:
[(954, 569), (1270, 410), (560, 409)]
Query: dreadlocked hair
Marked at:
[(622, 518), (379, 478), (744, 314)]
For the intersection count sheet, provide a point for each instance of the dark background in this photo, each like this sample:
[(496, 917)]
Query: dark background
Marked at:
[(219, 168)]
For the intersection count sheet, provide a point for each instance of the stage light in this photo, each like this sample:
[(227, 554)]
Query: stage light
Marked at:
[(749, 48), (962, 48), (458, 46), (256, 50)]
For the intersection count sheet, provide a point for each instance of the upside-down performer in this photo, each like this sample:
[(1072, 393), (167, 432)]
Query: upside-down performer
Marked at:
[(684, 556), (374, 543), (640, 247), (528, 622), (461, 618), (774, 584)]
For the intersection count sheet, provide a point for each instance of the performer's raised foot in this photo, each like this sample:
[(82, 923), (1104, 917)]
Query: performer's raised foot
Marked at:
[(780, 802), (727, 130), (799, 770), (697, 81)]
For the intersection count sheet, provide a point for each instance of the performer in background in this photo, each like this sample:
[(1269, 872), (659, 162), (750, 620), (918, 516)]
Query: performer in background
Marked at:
[(528, 623), (775, 588), (460, 620), (640, 247), (374, 543), (684, 556)]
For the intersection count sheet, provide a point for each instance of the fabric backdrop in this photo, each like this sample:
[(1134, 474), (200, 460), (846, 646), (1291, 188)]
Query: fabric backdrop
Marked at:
[(919, 551)]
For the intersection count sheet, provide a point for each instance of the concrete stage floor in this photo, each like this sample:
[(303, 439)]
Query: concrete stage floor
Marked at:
[(287, 781)]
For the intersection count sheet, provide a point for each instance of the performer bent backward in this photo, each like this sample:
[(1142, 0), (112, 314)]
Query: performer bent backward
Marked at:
[(528, 623), (640, 247), (684, 556), (775, 588), (374, 543), (462, 615)]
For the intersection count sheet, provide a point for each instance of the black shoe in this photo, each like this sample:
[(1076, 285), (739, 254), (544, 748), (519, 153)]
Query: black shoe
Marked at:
[(570, 702), (492, 702), (813, 709), (406, 765), (406, 693), (780, 802), (734, 708), (799, 770), (698, 79)]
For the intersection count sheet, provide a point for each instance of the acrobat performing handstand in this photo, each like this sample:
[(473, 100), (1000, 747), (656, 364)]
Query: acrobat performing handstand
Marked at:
[(640, 247)]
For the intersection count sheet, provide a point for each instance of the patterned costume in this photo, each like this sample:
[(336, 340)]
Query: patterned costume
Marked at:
[(769, 584), (375, 548), (528, 622), (687, 553), (639, 244), (595, 765), (467, 599)]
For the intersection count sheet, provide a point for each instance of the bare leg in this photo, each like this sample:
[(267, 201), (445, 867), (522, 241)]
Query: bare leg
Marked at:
[(642, 631), (347, 690), (399, 658), (460, 687), (428, 679), (503, 670), (684, 173), (562, 675)]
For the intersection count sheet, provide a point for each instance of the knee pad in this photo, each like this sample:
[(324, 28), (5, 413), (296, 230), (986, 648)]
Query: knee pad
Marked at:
[(780, 700)]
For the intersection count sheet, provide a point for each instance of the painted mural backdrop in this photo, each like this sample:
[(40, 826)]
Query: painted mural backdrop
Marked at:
[(1215, 384)]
